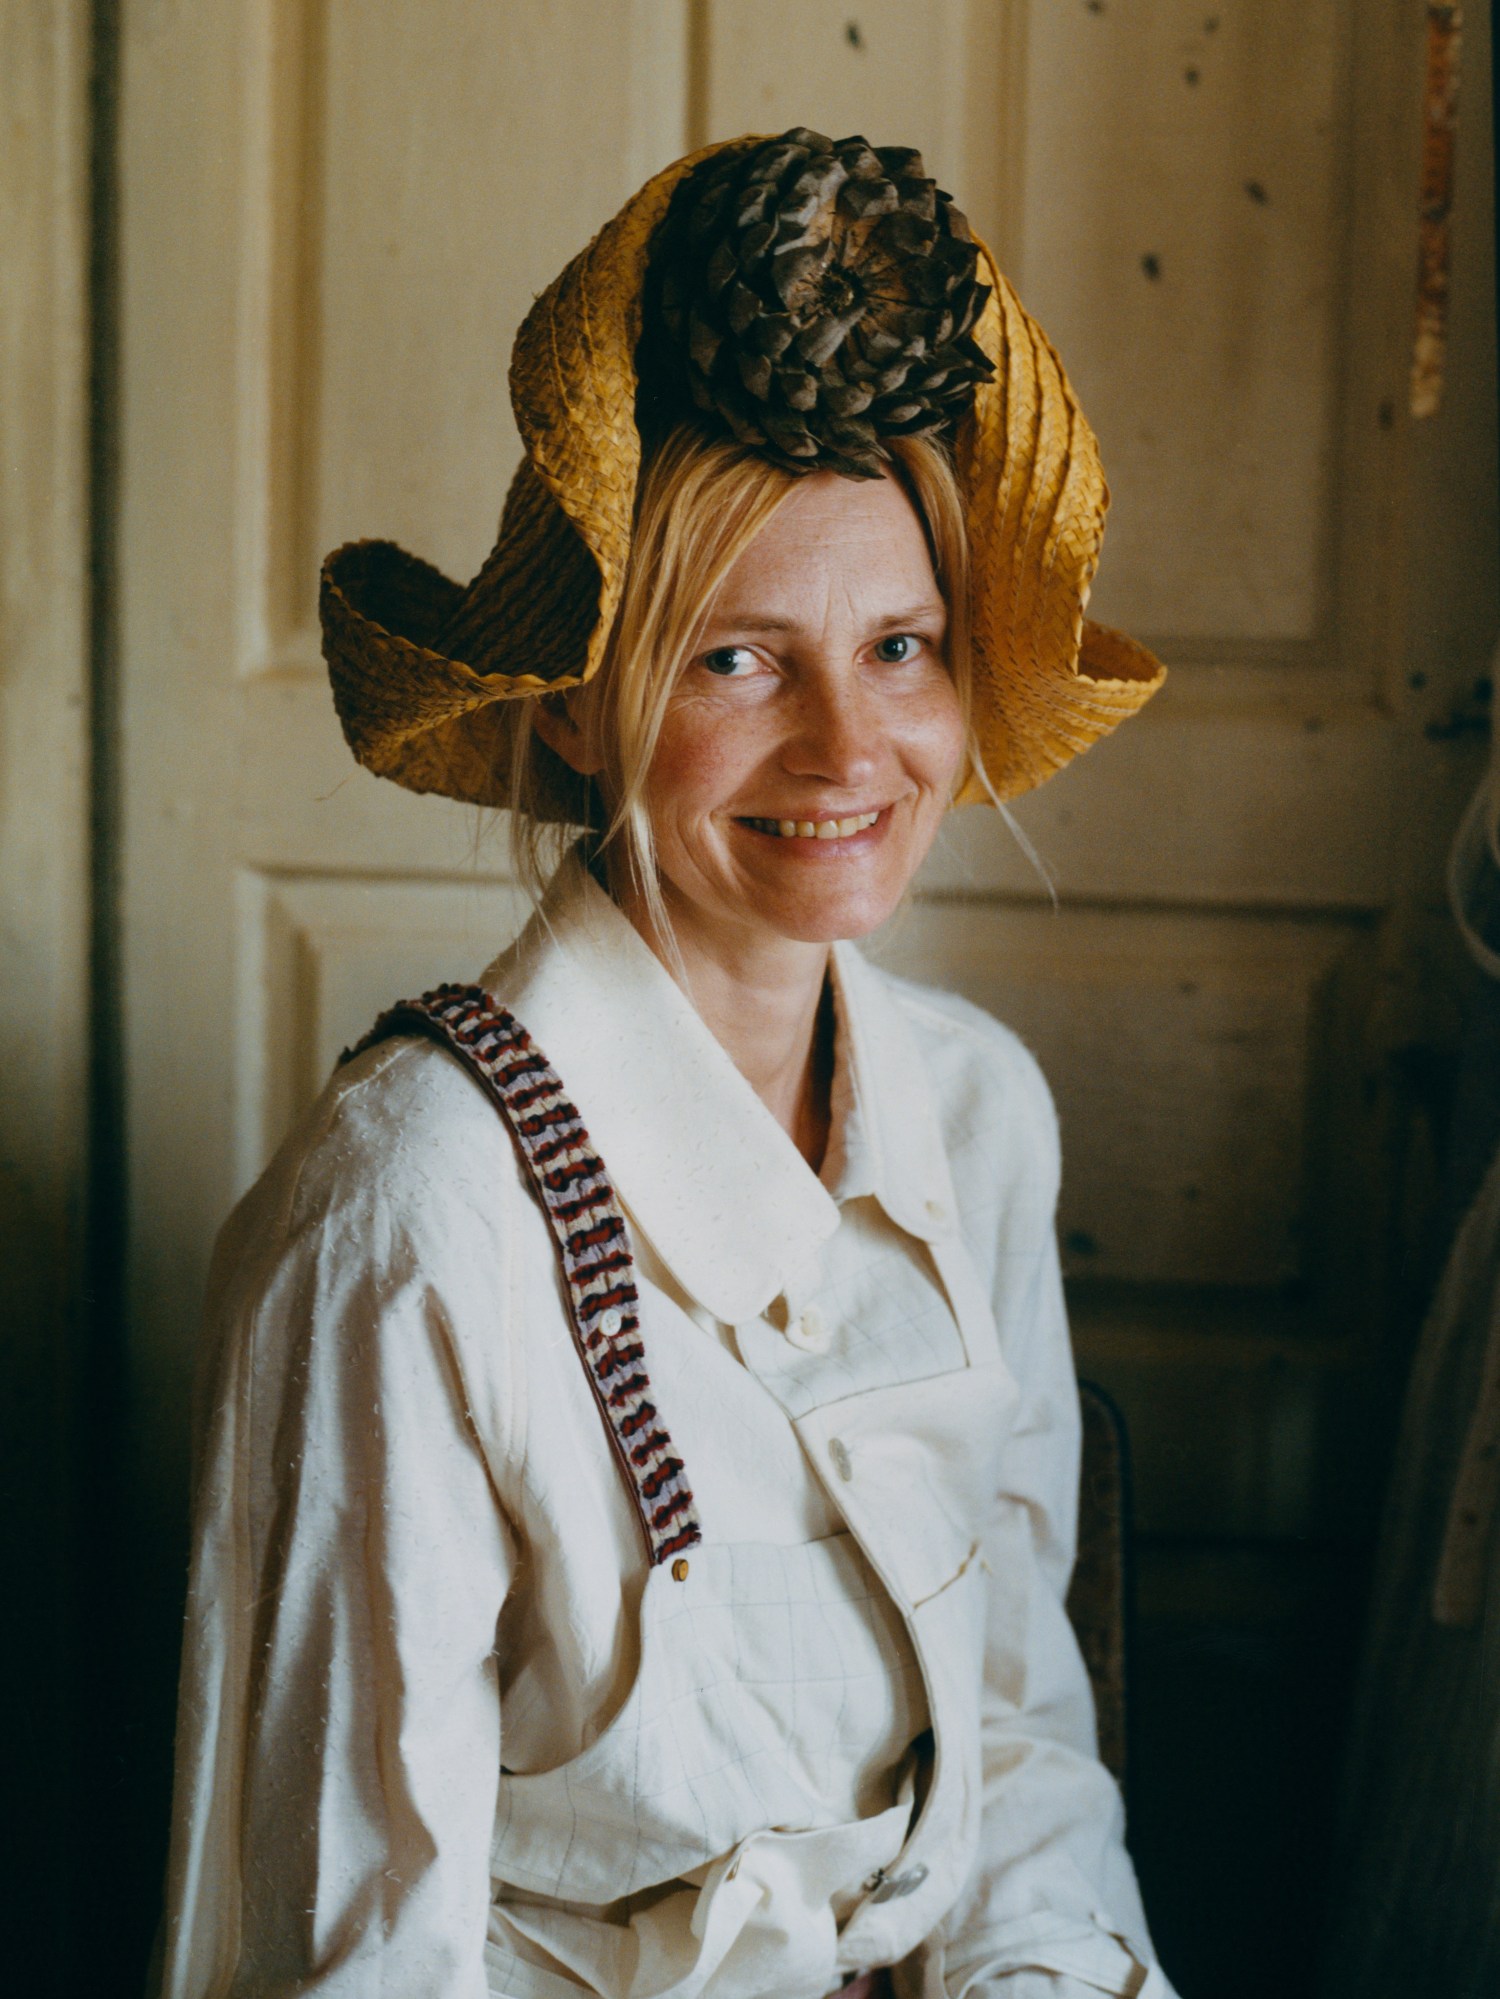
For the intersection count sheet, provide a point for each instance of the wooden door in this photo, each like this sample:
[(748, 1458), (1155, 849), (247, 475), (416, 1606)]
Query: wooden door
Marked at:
[(334, 214)]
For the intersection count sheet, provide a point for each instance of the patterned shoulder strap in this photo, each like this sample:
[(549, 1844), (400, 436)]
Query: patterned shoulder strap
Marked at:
[(592, 1240)]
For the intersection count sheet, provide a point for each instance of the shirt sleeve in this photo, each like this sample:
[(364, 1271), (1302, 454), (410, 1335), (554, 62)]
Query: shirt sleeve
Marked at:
[(1052, 1910), (339, 1721)]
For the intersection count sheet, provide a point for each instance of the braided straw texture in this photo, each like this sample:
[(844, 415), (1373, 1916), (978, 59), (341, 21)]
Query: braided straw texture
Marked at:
[(1047, 683), (422, 669)]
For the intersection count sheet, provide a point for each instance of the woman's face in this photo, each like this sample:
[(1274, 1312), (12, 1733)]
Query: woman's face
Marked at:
[(812, 740)]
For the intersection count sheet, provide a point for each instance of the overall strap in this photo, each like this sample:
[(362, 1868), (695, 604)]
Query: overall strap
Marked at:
[(588, 1227)]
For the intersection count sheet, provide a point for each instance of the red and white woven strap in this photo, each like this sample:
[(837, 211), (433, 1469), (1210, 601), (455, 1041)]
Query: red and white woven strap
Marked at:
[(593, 1243)]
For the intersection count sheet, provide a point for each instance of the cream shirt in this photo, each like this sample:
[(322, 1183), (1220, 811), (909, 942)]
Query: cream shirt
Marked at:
[(441, 1730)]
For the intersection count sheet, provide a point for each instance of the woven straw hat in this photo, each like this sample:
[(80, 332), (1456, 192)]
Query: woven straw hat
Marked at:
[(422, 668)]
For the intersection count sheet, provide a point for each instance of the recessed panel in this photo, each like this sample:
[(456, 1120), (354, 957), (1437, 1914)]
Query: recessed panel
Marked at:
[(1181, 242), (887, 69), (321, 959), (436, 166), (1181, 1051)]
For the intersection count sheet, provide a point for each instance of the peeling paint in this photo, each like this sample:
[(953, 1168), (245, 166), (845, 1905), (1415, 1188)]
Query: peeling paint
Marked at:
[(1440, 118)]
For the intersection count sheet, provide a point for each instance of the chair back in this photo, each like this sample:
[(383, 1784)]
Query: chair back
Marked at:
[(1099, 1598)]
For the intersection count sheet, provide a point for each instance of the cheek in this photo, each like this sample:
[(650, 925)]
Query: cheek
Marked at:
[(937, 739), (699, 760)]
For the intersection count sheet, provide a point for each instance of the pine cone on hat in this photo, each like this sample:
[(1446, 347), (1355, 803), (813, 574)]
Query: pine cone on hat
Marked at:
[(817, 295)]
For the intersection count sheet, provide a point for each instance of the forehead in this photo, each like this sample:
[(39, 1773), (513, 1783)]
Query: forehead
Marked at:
[(860, 537)]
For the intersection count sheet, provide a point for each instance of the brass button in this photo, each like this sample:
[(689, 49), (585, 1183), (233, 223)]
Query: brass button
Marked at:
[(680, 1569)]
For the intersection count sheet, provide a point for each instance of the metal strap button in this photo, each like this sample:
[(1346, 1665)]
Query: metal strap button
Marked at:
[(897, 1885)]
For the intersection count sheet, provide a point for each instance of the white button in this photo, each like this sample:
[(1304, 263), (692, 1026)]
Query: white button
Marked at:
[(936, 1213), (839, 1452), (809, 1330), (610, 1323)]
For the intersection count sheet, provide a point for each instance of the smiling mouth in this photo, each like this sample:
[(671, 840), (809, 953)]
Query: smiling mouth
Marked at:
[(814, 829)]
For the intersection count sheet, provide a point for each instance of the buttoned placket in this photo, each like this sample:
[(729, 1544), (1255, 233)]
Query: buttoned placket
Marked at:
[(949, 1812)]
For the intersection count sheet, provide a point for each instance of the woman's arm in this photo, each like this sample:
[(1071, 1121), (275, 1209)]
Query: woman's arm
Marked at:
[(1052, 1911), (339, 1726)]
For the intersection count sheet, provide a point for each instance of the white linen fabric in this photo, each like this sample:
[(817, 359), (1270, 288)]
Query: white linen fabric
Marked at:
[(442, 1731)]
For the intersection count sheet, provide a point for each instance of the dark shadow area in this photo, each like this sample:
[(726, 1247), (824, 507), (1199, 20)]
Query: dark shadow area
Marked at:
[(1239, 1727)]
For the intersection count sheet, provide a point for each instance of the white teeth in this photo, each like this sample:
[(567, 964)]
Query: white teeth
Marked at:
[(816, 829)]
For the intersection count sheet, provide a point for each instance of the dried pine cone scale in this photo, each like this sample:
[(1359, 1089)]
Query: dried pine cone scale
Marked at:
[(816, 296)]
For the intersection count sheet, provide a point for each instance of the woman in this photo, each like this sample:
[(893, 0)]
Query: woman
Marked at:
[(638, 1491)]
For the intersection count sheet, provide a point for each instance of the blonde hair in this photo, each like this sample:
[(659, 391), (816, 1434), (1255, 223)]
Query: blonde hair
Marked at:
[(700, 503)]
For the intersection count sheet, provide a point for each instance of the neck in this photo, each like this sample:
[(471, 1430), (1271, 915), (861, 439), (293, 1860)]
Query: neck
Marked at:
[(769, 1006)]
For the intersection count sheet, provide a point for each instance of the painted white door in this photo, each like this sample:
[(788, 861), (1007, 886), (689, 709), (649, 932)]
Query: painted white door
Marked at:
[(334, 214)]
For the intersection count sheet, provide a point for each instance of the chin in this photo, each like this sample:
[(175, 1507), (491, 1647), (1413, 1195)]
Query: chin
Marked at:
[(840, 920)]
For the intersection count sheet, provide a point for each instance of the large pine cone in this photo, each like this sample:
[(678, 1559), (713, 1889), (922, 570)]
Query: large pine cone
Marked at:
[(817, 295)]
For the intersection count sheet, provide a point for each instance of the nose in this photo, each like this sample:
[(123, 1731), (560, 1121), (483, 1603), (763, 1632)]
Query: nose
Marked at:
[(835, 734)]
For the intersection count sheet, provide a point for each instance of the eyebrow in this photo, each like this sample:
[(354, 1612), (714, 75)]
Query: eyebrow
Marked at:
[(756, 622)]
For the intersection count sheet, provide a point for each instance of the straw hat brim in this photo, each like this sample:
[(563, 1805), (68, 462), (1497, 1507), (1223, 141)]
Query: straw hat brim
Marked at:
[(423, 669)]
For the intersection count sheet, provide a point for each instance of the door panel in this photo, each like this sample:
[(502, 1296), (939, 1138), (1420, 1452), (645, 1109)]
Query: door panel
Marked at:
[(1185, 1056), (1182, 240)]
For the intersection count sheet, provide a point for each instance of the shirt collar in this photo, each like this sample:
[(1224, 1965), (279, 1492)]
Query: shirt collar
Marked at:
[(892, 1140), (707, 1174)]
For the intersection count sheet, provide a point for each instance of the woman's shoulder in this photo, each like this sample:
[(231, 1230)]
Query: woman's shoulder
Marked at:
[(968, 1052), (402, 1139), (374, 1258), (386, 1213)]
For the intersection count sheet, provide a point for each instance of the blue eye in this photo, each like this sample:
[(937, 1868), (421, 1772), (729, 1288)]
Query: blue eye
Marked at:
[(727, 660), (898, 648)]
